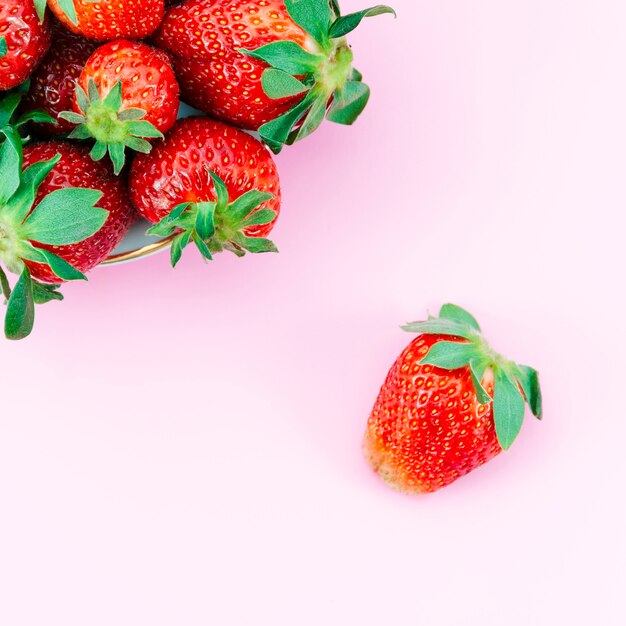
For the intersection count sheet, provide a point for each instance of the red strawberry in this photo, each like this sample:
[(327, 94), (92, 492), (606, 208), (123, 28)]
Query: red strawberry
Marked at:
[(267, 65), (212, 184), (53, 84), (449, 404), (127, 92), (75, 169), (109, 19), (24, 40), (50, 227)]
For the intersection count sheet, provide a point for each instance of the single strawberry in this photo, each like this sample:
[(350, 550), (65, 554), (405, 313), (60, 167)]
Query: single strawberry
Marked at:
[(53, 84), (24, 40), (449, 404), (60, 216), (127, 93), (267, 65), (106, 20), (209, 183)]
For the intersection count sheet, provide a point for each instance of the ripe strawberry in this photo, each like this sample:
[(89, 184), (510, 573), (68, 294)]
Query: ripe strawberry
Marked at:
[(267, 65), (211, 184), (59, 217), (53, 84), (126, 92), (24, 40), (449, 404), (106, 20)]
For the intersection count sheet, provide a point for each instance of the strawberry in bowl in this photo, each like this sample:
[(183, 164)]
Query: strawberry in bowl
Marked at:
[(25, 36), (127, 95), (61, 214), (210, 184), (106, 20), (267, 65)]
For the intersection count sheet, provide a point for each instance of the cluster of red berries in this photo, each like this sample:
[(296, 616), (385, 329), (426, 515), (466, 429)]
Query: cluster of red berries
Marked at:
[(90, 138)]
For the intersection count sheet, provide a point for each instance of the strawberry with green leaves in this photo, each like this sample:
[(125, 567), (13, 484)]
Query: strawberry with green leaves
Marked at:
[(126, 95), (209, 184), (60, 216), (106, 20), (267, 65), (24, 40), (53, 84), (448, 405)]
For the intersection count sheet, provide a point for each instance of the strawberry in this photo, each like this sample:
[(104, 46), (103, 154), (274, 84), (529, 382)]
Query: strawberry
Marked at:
[(53, 84), (209, 183), (24, 40), (59, 217), (267, 65), (448, 405), (126, 93), (106, 20)]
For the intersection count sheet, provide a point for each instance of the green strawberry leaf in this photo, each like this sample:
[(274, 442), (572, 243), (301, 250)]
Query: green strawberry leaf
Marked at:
[(220, 190), (245, 204), (450, 355), (508, 409), (347, 23), (40, 7), (311, 122), (276, 132), (8, 106), (478, 368), (118, 157), (255, 245), (22, 200), (286, 56), (457, 314), (3, 47), (128, 115), (20, 315), (349, 103), (42, 293), (179, 243), (67, 6), (142, 128), (440, 327), (65, 216), (5, 288), (202, 247), (138, 145), (528, 379), (72, 117), (10, 168), (39, 117), (205, 220), (259, 218), (314, 16), (278, 84), (61, 267)]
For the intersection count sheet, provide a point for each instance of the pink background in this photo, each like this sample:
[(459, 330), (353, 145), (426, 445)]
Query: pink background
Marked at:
[(183, 448)]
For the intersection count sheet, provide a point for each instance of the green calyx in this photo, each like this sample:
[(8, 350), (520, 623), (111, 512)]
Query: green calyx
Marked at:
[(63, 217), (330, 87), (12, 124), (514, 385), (113, 127), (217, 226)]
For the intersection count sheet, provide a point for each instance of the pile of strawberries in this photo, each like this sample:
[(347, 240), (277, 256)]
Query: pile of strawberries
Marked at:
[(90, 141), (90, 92)]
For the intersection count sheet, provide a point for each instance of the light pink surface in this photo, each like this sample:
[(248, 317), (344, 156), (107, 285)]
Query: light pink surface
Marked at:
[(183, 448)]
